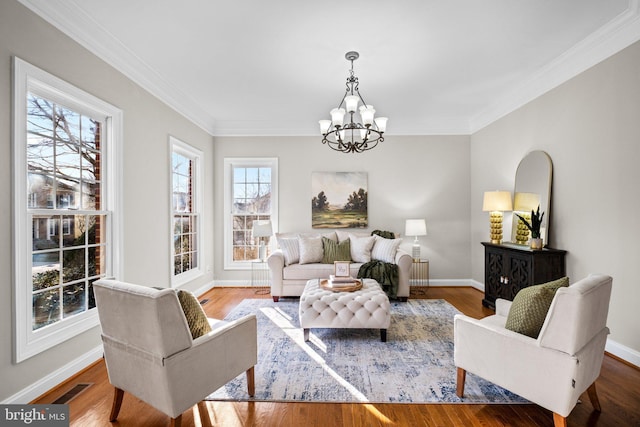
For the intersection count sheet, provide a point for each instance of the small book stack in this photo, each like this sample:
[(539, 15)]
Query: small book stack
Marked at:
[(340, 280)]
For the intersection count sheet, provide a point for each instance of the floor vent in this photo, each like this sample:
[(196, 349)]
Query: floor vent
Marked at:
[(204, 301), (72, 393)]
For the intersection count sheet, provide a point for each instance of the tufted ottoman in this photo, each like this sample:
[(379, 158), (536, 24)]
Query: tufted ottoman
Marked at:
[(367, 308)]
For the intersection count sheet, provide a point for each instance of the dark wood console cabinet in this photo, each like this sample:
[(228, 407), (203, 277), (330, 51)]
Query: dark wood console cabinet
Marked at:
[(509, 267)]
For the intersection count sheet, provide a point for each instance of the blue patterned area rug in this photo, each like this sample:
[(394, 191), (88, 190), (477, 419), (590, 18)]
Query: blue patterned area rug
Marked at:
[(415, 365)]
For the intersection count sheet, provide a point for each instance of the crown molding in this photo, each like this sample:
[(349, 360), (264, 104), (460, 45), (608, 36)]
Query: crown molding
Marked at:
[(84, 30), (610, 39)]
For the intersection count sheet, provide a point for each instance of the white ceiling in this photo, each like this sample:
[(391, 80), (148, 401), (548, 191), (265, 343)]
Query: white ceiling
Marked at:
[(251, 67)]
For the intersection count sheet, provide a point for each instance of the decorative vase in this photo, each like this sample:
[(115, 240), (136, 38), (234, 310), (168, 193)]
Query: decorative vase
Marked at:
[(536, 243)]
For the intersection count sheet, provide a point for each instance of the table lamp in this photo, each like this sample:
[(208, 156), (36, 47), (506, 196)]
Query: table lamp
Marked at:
[(496, 202), (262, 228), (415, 227), (524, 203)]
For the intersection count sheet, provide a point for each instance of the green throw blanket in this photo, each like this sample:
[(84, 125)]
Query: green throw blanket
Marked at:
[(382, 272)]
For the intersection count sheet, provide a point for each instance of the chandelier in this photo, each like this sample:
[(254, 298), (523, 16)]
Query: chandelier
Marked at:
[(352, 136)]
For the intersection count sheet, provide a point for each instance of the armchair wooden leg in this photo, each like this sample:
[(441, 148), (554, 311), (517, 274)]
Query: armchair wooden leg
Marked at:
[(559, 420), (593, 397), (462, 375), (275, 299), (204, 414), (177, 421), (117, 403), (251, 384)]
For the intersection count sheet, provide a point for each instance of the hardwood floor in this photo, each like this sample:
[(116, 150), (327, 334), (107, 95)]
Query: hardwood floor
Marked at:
[(618, 389)]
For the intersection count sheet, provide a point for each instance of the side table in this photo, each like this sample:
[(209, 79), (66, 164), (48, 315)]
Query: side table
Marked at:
[(419, 276), (260, 275)]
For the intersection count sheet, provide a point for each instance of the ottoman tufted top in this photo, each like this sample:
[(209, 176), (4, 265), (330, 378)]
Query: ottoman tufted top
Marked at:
[(368, 307)]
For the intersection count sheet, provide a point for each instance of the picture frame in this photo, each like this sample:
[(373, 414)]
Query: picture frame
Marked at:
[(341, 268)]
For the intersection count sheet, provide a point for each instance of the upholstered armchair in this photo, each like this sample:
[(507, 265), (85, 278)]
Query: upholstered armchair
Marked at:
[(150, 353), (555, 368)]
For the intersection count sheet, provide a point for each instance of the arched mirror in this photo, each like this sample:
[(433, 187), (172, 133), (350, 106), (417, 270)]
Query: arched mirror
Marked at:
[(533, 188)]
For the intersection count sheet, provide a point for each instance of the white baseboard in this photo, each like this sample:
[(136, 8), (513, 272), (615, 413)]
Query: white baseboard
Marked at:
[(52, 380), (456, 283), (232, 283), (476, 284), (623, 352), (202, 289)]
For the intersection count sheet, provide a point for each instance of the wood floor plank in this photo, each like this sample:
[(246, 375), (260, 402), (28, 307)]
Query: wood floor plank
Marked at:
[(618, 390)]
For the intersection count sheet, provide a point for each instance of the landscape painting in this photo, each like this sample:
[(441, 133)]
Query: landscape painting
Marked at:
[(339, 200)]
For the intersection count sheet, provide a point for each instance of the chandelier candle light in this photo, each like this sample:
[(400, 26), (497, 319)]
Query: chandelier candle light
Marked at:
[(353, 136), (415, 227), (496, 202)]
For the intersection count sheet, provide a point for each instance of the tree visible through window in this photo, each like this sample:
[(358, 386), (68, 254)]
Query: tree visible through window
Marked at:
[(66, 216), (63, 174), (185, 161), (251, 197), (251, 201)]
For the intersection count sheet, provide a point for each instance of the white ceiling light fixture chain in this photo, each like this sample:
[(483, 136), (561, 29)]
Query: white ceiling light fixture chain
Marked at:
[(353, 136)]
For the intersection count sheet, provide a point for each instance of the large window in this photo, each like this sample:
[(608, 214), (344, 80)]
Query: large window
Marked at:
[(65, 145), (250, 194), (186, 184)]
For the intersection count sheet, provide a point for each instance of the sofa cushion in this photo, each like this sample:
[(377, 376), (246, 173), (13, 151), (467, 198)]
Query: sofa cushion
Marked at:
[(361, 248), (385, 249), (334, 251), (290, 250), (311, 249), (193, 311), (530, 306)]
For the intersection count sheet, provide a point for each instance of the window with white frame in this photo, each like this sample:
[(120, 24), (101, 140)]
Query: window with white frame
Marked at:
[(186, 185), (250, 194), (66, 154)]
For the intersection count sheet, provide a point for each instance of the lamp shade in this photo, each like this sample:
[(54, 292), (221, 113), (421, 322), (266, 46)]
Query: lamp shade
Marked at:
[(526, 202), (415, 227), (497, 201), (337, 116), (367, 112), (262, 228), (381, 122), (324, 126), (351, 102)]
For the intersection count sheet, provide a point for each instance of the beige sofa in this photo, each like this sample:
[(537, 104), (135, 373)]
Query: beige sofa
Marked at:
[(288, 277)]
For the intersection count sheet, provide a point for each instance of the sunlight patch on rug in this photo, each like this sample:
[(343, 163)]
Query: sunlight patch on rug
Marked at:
[(415, 365)]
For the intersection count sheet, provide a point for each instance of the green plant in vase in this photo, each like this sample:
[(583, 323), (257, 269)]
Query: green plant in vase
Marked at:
[(534, 227)]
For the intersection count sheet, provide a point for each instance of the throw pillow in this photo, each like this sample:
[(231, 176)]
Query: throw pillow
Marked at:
[(385, 249), (290, 250), (530, 306), (193, 311), (310, 249), (334, 251), (361, 248)]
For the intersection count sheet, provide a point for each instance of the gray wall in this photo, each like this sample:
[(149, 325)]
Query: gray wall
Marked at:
[(408, 177), (147, 125), (590, 126)]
